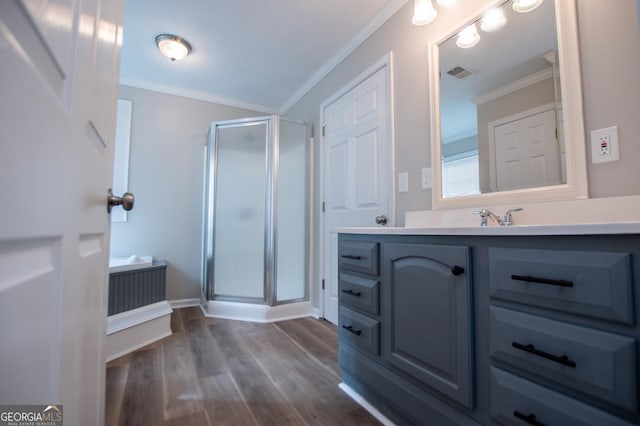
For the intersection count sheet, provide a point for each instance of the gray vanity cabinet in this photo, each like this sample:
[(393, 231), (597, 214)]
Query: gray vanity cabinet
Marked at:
[(428, 308), (492, 330)]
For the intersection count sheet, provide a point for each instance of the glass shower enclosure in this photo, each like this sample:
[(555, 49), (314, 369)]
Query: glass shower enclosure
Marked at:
[(256, 216)]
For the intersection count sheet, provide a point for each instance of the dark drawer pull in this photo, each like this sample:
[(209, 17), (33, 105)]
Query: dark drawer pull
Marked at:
[(457, 270), (350, 329), (561, 283), (564, 360), (531, 418), (351, 256), (352, 293)]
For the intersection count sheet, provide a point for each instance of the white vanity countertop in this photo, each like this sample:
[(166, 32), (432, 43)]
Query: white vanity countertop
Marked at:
[(578, 229), (600, 216)]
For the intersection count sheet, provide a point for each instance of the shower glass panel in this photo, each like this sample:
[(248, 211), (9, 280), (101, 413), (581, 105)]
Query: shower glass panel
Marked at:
[(240, 221), (291, 203), (256, 239)]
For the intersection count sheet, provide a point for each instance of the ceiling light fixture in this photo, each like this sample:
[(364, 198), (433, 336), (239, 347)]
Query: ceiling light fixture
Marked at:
[(468, 37), (173, 47), (524, 6), (423, 12), (493, 20)]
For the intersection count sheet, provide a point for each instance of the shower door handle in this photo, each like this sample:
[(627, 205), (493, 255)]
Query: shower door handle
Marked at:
[(126, 201), (381, 220)]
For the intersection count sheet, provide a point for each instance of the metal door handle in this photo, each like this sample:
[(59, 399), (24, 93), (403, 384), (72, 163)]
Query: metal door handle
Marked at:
[(126, 201), (381, 220)]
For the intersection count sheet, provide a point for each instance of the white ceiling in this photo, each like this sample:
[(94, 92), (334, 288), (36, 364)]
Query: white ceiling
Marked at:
[(254, 54)]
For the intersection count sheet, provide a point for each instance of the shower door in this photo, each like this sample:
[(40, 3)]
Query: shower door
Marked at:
[(240, 210), (256, 244)]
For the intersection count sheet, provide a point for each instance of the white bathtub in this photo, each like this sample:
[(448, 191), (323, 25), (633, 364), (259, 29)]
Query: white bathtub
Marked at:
[(120, 264)]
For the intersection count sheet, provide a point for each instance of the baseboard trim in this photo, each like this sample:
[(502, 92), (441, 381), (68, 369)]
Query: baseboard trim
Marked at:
[(184, 303), (365, 404), (256, 313), (134, 329), (315, 312)]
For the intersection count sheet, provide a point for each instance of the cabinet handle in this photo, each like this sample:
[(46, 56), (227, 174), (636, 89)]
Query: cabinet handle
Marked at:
[(561, 283), (564, 360), (351, 256), (350, 329), (352, 293), (530, 418), (457, 270)]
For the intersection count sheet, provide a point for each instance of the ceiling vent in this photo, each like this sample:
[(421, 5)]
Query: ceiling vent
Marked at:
[(459, 72)]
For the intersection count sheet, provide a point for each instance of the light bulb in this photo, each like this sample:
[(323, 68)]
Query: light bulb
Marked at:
[(468, 37), (447, 3), (524, 6), (493, 20), (423, 12)]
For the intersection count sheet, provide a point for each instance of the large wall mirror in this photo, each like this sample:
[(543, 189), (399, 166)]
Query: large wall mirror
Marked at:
[(506, 107)]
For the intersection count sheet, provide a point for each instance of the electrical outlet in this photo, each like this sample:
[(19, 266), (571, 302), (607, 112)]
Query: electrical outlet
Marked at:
[(403, 182), (604, 145), (427, 178)]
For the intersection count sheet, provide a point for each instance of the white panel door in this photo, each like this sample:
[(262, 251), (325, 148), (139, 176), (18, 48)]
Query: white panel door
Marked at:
[(527, 152), (58, 94), (358, 169)]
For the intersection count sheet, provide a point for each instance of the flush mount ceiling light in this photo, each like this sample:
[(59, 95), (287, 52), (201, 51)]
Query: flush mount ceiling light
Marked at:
[(173, 47), (468, 37), (423, 12), (524, 6), (493, 20)]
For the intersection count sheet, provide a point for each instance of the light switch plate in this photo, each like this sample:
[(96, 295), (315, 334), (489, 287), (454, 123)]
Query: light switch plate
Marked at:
[(604, 145), (403, 182), (427, 178)]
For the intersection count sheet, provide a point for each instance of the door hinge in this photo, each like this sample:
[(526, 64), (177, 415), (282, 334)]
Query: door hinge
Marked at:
[(556, 133), (323, 129), (323, 206), (323, 284)]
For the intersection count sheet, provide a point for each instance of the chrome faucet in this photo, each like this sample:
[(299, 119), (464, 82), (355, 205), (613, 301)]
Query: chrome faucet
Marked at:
[(507, 217), (485, 214)]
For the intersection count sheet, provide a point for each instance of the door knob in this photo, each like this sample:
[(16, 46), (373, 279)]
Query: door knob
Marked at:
[(126, 201), (381, 220)]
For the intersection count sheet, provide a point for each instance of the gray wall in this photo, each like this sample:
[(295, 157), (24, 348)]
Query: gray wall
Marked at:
[(610, 69), (168, 135)]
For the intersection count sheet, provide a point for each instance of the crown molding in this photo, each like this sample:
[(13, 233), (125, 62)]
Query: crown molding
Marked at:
[(194, 94), (512, 87)]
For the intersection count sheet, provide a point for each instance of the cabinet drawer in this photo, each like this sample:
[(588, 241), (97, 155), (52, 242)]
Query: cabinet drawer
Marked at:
[(359, 256), (593, 362), (359, 330), (514, 398), (589, 283), (360, 292)]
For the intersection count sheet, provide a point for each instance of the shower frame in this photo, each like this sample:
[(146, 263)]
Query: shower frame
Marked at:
[(270, 270)]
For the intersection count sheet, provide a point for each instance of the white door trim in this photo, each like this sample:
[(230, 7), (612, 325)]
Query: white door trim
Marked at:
[(385, 62)]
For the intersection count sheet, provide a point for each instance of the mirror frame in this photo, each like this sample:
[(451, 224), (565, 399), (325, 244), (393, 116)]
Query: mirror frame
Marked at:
[(572, 114)]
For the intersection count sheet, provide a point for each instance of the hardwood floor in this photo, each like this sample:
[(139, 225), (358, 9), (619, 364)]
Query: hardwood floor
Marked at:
[(222, 372)]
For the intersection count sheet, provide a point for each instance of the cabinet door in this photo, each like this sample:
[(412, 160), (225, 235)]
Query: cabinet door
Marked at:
[(427, 304)]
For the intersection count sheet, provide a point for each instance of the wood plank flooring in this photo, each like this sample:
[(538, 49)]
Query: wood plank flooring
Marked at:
[(222, 372)]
